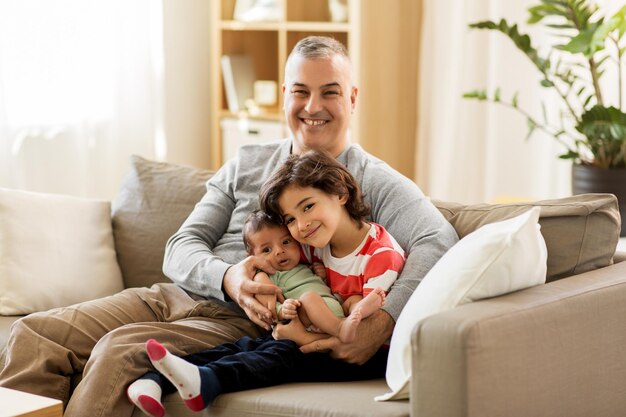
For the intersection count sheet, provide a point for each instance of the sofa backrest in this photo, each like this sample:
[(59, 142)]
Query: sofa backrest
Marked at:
[(581, 232)]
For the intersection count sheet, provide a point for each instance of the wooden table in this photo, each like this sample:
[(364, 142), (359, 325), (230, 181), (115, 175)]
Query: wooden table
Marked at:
[(21, 404)]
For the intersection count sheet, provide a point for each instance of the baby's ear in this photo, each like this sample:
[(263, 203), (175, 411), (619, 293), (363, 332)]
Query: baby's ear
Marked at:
[(343, 199)]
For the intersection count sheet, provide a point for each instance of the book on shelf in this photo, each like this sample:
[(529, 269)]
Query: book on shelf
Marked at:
[(239, 76)]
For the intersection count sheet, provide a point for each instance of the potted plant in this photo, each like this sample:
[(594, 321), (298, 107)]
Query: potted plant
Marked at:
[(592, 132)]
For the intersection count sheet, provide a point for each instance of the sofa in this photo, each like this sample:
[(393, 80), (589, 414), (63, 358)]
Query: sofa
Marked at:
[(554, 349)]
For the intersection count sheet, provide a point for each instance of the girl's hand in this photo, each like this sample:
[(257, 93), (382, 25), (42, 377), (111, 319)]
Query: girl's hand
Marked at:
[(289, 311), (319, 270)]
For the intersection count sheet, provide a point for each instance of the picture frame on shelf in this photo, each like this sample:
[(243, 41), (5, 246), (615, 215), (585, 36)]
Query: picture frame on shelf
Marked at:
[(239, 77)]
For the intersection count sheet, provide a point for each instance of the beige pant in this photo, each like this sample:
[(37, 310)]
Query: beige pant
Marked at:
[(96, 349)]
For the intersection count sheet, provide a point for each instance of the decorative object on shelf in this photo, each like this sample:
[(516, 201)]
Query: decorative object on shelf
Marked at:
[(265, 92), (338, 10), (241, 8), (592, 132), (239, 75), (257, 11)]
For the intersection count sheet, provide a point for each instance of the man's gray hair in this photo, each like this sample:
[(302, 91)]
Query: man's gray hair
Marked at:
[(313, 47)]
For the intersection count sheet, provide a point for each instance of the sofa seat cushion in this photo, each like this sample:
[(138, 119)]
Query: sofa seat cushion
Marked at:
[(337, 399)]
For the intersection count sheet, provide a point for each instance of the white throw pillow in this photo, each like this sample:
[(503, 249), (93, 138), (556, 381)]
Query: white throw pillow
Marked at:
[(496, 259), (54, 251)]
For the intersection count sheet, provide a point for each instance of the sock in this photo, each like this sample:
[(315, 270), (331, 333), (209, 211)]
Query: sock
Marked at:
[(146, 395), (182, 374)]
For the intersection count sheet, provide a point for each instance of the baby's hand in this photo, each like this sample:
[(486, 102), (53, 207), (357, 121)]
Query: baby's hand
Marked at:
[(319, 270), (289, 310)]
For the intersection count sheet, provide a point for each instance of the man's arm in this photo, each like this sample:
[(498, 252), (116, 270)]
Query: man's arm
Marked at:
[(399, 206), (206, 255), (190, 260)]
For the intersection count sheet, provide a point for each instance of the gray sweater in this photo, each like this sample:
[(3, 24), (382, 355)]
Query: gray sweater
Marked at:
[(210, 240)]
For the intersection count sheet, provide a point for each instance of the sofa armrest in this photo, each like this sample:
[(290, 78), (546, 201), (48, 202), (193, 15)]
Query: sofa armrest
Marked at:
[(554, 349)]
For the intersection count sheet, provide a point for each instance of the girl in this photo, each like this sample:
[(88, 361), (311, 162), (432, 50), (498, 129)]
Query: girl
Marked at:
[(322, 206)]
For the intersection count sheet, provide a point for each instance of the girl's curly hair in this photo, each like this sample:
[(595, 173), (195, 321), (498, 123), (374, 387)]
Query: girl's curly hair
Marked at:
[(316, 169)]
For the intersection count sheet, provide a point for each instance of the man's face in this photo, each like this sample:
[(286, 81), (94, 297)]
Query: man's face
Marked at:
[(319, 99)]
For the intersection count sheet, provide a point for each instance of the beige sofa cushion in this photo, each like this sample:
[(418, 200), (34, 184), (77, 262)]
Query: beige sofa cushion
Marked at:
[(154, 200), (581, 232), (331, 399), (55, 250)]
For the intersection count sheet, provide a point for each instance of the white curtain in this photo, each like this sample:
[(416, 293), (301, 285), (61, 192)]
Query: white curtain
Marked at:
[(470, 151), (80, 90)]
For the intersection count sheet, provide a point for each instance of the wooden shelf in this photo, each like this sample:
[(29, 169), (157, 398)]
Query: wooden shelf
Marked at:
[(269, 115)]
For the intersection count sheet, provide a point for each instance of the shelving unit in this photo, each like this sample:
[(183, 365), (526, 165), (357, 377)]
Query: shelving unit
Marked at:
[(268, 44)]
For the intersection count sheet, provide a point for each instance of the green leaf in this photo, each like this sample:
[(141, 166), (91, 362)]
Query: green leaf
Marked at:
[(562, 26), (476, 94), (522, 41), (570, 155), (537, 13), (546, 83), (618, 22), (531, 127), (496, 95), (587, 42), (514, 100)]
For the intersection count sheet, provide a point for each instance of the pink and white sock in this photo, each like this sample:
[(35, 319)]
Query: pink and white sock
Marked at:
[(146, 395), (182, 374)]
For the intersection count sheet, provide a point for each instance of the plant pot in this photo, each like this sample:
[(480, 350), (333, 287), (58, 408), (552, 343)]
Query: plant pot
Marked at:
[(591, 179)]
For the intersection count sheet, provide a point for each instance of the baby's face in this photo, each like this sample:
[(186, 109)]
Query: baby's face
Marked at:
[(277, 246)]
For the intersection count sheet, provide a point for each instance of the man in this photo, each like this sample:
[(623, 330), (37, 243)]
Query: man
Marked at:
[(103, 341)]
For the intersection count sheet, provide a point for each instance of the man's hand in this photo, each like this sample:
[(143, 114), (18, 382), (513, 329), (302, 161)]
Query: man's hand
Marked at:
[(240, 287), (371, 334), (268, 301)]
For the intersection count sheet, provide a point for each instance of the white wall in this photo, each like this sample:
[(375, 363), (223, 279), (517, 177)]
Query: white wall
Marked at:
[(186, 105)]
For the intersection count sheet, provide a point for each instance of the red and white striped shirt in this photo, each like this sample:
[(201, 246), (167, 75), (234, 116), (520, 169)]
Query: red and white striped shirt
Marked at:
[(376, 262)]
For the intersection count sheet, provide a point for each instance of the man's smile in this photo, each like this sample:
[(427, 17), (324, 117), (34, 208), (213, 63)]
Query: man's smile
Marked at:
[(313, 122)]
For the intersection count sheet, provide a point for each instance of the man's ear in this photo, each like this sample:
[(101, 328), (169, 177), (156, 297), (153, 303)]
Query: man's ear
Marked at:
[(353, 94), (283, 92)]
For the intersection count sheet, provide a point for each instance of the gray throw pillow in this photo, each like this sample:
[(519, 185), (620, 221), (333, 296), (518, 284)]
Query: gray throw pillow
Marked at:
[(154, 200)]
